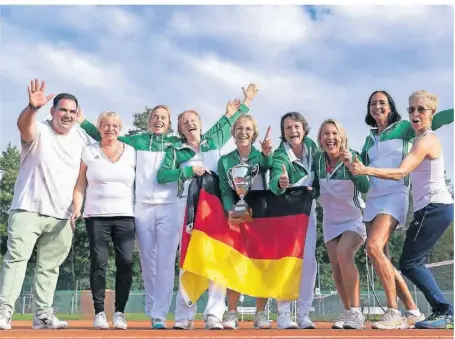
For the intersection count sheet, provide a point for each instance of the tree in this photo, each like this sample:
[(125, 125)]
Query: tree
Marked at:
[(9, 167), (140, 122), (444, 247)]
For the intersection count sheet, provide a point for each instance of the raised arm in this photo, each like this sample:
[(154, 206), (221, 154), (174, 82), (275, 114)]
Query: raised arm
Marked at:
[(442, 118), (26, 123), (419, 151), (227, 194), (91, 129), (266, 160), (79, 193), (233, 111)]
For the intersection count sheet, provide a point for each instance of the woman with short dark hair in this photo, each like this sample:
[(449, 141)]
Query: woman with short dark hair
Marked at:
[(293, 166)]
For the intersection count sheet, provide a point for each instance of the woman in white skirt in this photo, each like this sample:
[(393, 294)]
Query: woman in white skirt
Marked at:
[(387, 200), (343, 228)]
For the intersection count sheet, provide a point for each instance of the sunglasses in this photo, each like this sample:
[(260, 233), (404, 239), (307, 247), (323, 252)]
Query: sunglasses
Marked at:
[(419, 109)]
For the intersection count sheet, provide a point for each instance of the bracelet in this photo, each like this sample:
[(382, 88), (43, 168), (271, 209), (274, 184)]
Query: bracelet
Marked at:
[(33, 108)]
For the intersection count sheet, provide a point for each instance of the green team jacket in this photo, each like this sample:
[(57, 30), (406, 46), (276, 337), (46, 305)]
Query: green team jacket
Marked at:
[(232, 159), (179, 158), (300, 174), (150, 152), (340, 172), (388, 150)]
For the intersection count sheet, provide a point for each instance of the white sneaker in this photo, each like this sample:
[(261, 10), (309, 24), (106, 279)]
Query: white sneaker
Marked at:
[(213, 323), (119, 321), (183, 324), (261, 322), (5, 318), (354, 321), (391, 320), (338, 325), (231, 322), (410, 320), (284, 322), (304, 321), (100, 321), (48, 320)]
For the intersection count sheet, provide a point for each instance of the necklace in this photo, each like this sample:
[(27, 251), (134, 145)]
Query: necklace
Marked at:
[(113, 155)]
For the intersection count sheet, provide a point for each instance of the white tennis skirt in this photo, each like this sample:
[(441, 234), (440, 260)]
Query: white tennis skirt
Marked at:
[(393, 204), (332, 231)]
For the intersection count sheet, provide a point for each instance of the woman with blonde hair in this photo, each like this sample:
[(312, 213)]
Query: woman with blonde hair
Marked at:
[(157, 225), (196, 155), (343, 229), (245, 132), (106, 179), (433, 205)]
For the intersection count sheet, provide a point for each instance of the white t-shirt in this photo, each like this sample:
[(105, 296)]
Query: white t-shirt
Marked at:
[(110, 186), (48, 172)]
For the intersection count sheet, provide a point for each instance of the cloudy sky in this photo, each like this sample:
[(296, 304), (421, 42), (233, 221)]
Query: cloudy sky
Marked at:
[(321, 61)]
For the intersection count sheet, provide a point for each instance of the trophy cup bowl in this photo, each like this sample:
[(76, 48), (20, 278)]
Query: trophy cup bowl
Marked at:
[(240, 178)]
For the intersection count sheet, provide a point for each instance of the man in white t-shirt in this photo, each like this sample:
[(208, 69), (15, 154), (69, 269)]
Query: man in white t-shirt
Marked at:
[(41, 207)]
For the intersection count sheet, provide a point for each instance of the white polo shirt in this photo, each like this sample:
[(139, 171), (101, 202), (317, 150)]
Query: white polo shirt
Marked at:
[(49, 168), (110, 186)]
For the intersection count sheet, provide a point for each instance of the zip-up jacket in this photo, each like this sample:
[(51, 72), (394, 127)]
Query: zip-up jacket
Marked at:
[(179, 158), (388, 150), (150, 151), (339, 191), (227, 161), (300, 173)]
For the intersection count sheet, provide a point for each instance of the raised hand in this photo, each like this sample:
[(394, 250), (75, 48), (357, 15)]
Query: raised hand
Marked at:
[(356, 167), (36, 96), (80, 116), (266, 144), (232, 107), (284, 178), (249, 93)]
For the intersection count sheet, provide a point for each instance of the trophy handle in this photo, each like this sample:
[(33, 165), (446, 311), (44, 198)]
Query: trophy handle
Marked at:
[(254, 172), (229, 174)]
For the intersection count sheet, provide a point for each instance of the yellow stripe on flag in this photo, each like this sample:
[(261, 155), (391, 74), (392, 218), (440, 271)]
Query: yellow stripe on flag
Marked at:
[(209, 259)]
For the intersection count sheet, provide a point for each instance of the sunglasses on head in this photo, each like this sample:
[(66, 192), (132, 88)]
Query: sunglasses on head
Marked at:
[(419, 109)]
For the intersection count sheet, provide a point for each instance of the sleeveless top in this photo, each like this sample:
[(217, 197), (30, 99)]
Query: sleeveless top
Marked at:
[(428, 183)]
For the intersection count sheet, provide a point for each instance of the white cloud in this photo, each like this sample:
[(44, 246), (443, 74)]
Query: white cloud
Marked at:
[(124, 59)]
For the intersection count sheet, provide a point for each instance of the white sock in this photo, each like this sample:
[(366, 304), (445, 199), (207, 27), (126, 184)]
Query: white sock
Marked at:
[(356, 309), (395, 310), (415, 313)]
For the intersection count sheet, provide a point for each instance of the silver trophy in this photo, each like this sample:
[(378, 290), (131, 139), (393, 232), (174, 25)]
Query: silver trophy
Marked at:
[(241, 178)]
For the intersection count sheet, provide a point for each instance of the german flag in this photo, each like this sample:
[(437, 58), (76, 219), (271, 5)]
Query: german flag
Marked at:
[(262, 258)]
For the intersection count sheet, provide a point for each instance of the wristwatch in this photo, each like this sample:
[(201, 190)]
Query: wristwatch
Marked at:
[(34, 108)]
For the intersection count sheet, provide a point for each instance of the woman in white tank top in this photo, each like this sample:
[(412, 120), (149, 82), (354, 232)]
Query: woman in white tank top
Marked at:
[(433, 205)]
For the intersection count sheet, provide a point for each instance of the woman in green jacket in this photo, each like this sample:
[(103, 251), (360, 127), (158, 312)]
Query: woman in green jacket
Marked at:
[(157, 226), (245, 132), (293, 166), (196, 155)]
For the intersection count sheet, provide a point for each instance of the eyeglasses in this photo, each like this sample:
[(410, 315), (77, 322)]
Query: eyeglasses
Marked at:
[(419, 109)]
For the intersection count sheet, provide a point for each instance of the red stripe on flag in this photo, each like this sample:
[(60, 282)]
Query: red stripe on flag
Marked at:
[(264, 238)]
